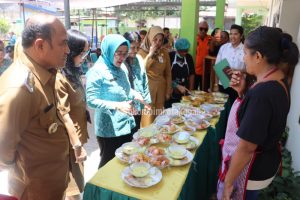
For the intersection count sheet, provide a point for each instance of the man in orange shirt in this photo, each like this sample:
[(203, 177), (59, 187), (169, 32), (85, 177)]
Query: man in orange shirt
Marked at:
[(202, 50)]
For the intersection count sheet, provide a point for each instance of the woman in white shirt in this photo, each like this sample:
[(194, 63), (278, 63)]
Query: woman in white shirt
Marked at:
[(234, 54)]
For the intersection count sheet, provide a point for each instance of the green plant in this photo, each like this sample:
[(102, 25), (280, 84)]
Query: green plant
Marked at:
[(4, 26), (250, 22), (287, 186)]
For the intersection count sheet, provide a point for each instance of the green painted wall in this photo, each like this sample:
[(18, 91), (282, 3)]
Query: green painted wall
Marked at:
[(189, 23), (220, 10)]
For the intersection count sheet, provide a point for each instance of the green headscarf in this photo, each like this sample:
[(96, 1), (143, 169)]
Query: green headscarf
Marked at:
[(109, 46)]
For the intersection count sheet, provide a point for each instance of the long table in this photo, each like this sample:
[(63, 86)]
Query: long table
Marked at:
[(107, 184)]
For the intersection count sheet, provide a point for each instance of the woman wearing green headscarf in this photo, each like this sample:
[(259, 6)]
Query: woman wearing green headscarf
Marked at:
[(108, 92)]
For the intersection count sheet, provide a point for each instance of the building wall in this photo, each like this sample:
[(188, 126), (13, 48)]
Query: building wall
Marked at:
[(285, 14), (290, 17), (293, 143)]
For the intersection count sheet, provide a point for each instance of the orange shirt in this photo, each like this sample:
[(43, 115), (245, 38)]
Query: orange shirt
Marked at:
[(201, 52)]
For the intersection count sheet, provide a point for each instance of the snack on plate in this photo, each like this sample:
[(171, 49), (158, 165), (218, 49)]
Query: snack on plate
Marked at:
[(130, 148), (203, 125), (143, 141), (165, 138), (168, 129), (189, 128), (164, 129), (186, 98), (220, 94), (155, 151), (177, 119), (160, 161), (199, 92), (138, 157), (190, 123)]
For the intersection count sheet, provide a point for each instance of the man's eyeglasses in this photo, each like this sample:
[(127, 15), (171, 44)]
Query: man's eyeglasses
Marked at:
[(203, 29), (85, 54), (121, 54)]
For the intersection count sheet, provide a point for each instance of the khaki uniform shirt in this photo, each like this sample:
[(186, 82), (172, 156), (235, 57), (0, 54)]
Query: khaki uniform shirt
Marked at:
[(34, 145), (159, 74), (71, 99)]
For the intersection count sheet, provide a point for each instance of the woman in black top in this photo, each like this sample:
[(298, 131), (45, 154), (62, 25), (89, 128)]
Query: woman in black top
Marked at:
[(183, 71), (263, 112)]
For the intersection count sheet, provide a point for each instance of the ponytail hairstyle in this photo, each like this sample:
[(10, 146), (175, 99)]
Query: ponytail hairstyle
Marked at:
[(275, 46)]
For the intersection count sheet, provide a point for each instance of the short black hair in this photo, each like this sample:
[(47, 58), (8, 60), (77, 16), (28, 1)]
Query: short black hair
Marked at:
[(166, 29), (237, 27), (32, 31), (143, 32)]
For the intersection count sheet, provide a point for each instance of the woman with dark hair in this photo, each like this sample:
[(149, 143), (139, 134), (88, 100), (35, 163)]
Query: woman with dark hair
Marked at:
[(224, 37), (108, 91), (262, 114), (215, 42), (233, 53), (137, 74), (72, 106)]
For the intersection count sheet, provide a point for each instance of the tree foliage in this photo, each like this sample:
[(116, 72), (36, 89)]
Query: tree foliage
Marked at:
[(4, 26), (251, 21)]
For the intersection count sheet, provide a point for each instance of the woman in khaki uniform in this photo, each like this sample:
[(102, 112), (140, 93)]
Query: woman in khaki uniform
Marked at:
[(158, 70), (72, 106)]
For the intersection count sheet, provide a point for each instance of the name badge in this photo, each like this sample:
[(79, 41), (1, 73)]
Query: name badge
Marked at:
[(52, 128), (160, 59)]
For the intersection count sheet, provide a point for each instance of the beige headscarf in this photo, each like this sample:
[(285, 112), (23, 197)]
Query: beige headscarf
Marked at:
[(18, 48), (152, 32)]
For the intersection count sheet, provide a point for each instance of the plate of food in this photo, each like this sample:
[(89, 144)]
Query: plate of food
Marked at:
[(169, 129), (164, 138), (189, 129), (203, 125), (178, 155), (126, 150), (155, 151), (220, 94), (148, 131), (177, 119), (138, 157), (181, 137), (141, 175), (199, 92), (189, 144), (160, 161), (146, 136)]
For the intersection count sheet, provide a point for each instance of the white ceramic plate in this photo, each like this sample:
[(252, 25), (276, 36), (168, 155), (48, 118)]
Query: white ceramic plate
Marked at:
[(167, 129), (151, 179), (191, 144), (180, 162), (153, 140), (121, 156), (125, 157)]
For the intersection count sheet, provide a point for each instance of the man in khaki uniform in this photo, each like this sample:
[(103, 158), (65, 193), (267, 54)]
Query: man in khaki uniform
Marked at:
[(34, 145)]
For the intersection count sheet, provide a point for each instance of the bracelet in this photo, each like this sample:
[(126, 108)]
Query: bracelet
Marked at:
[(77, 146)]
